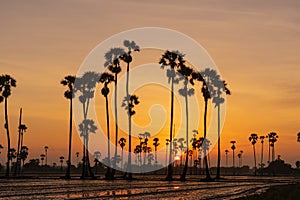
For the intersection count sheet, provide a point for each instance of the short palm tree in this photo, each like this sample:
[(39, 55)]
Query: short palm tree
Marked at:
[(42, 158), (226, 155), (24, 154), (128, 103), (69, 81), (61, 160), (106, 79), (173, 59), (6, 83), (122, 143), (253, 138), (298, 137)]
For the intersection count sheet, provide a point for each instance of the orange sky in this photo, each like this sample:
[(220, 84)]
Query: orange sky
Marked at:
[(255, 45)]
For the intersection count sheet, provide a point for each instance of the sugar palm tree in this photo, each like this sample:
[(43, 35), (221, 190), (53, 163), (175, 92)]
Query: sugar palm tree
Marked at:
[(122, 143), (23, 154), (233, 148), (128, 103), (155, 144), (86, 85), (69, 81), (113, 64), (61, 160), (218, 100), (42, 158), (253, 139), (46, 152), (262, 152), (186, 72), (173, 59), (106, 79), (6, 83), (226, 155), (272, 138)]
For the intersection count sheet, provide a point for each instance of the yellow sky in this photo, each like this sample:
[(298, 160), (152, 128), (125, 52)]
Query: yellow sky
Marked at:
[(255, 45)]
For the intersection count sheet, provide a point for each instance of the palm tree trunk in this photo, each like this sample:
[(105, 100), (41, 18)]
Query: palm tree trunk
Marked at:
[(262, 157), (116, 126), (8, 137), (70, 141), (170, 167), (254, 159), (205, 149), (218, 176), (182, 178), (108, 174), (17, 167)]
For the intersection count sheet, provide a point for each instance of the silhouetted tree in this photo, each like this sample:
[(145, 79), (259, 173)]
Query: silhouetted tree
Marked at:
[(122, 143), (12, 154), (42, 158), (297, 164), (298, 137), (173, 59), (253, 138), (97, 155), (86, 86), (218, 100), (226, 155), (155, 144), (233, 148), (6, 83), (106, 79), (128, 103), (24, 153), (262, 152), (69, 81), (112, 62), (186, 73), (272, 136), (61, 160)]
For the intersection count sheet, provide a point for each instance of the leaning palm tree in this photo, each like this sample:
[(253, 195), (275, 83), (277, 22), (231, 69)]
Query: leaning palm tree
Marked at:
[(69, 81), (6, 83), (218, 100), (106, 79), (186, 72), (173, 59), (253, 138), (112, 58), (128, 103), (122, 143)]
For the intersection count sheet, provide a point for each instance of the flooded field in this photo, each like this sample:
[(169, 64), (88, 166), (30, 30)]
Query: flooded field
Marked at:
[(146, 187)]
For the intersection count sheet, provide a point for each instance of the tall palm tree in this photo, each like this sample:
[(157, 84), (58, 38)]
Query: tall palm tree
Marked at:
[(6, 83), (69, 81), (262, 152), (233, 148), (272, 136), (128, 103), (253, 138), (173, 59), (155, 144), (86, 85), (113, 64), (122, 143), (186, 72), (106, 79), (218, 100)]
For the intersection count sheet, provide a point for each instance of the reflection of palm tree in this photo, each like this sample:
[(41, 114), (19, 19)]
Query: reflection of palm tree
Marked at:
[(107, 78), (155, 144), (233, 148), (6, 82), (218, 99), (253, 138), (185, 92), (122, 143), (173, 59), (69, 81), (272, 139), (113, 64), (86, 86), (129, 102)]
